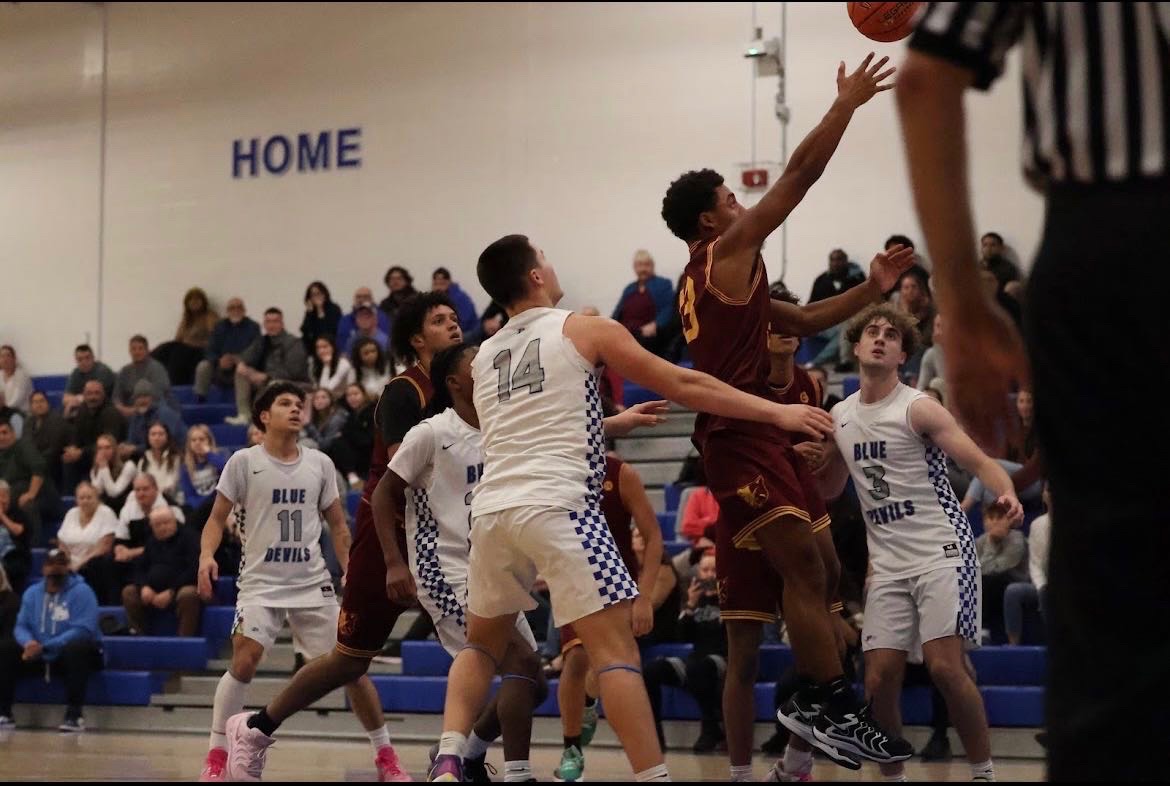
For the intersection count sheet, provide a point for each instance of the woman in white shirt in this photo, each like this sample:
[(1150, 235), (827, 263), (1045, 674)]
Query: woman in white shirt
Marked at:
[(330, 369), (87, 534), (110, 475), (374, 370), (15, 383), (161, 460)]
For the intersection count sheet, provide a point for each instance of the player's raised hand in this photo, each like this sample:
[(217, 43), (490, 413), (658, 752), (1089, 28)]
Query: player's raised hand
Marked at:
[(208, 573), (864, 83), (803, 419), (1015, 511), (400, 584), (888, 266)]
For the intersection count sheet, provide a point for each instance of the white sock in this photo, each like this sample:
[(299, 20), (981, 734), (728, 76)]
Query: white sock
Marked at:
[(797, 761), (229, 700), (379, 738), (984, 771), (452, 743), (475, 746), (741, 773), (899, 778), (517, 771), (656, 773)]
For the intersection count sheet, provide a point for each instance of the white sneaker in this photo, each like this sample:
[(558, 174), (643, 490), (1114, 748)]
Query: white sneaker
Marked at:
[(238, 420), (247, 749), (6, 723)]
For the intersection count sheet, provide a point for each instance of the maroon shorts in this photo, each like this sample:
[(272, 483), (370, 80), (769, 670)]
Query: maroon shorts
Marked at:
[(756, 483), (367, 613)]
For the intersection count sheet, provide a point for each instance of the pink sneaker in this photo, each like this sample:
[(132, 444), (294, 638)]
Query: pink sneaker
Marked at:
[(389, 771), (247, 749), (215, 767), (779, 775)]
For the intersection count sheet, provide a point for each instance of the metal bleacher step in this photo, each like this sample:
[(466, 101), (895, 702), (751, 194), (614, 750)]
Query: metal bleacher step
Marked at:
[(199, 691), (657, 473), (653, 448), (280, 659)]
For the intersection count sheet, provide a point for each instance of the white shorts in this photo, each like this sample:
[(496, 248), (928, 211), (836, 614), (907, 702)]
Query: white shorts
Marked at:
[(574, 552), (314, 627), (452, 632), (904, 614)]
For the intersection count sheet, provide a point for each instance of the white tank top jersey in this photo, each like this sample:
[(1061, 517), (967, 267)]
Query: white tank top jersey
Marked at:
[(278, 507), (913, 520), (442, 460), (540, 413)]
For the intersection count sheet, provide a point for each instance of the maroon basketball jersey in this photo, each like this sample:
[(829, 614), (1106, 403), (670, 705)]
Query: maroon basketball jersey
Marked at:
[(801, 389), (616, 515), (727, 338)]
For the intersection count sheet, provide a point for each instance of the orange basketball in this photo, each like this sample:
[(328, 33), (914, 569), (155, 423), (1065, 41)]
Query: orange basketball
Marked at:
[(884, 21)]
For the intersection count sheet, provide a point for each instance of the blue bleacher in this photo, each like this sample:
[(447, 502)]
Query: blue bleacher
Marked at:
[(671, 493), (55, 398), (352, 499), (207, 413), (185, 394), (110, 686), (850, 385), (227, 434), (666, 524), (49, 382), (156, 653)]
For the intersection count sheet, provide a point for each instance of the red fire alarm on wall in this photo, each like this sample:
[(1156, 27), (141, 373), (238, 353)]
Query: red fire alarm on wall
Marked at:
[(754, 178)]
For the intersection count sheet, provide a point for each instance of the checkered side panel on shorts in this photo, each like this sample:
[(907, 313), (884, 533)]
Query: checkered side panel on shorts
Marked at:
[(614, 582), (430, 572), (967, 625), (242, 528), (596, 442)]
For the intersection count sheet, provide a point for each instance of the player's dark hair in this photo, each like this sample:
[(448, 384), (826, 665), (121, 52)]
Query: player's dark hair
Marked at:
[(412, 315), (83, 348), (693, 193), (998, 237), (900, 240), (268, 397), (443, 365), (780, 292), (503, 268)]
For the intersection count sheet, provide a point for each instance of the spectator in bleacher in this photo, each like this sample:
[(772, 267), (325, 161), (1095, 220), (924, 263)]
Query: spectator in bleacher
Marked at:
[(994, 291), (87, 368), (129, 539), (231, 336), (47, 432), (9, 609), (1023, 462), (322, 316), (841, 276), (1032, 594), (647, 305), (330, 369), (701, 512), (181, 356), (15, 555), (165, 575), (464, 306), (372, 367), (401, 285), (994, 256), (920, 265), (95, 416), (56, 634), (701, 672), (161, 462), (148, 410), (490, 321), (914, 299), (111, 475), (276, 355), (930, 372), (87, 534), (326, 419), (348, 322), (15, 383), (366, 327), (23, 468), (199, 473), (141, 366), (351, 451), (1003, 558)]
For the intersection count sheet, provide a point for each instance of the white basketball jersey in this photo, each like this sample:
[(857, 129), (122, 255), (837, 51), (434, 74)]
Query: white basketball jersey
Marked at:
[(540, 413), (913, 520), (442, 460), (278, 507)]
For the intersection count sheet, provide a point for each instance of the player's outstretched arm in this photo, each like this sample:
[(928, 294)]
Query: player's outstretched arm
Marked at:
[(339, 533), (603, 340), (810, 158), (930, 419), (208, 544), (646, 414), (634, 500), (389, 506)]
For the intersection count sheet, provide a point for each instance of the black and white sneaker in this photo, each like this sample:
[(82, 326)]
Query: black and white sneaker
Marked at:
[(854, 733), (799, 715), (72, 726)]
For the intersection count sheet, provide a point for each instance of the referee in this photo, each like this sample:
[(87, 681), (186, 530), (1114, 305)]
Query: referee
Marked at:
[(1096, 114)]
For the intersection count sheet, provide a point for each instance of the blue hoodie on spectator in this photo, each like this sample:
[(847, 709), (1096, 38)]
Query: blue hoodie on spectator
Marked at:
[(56, 620)]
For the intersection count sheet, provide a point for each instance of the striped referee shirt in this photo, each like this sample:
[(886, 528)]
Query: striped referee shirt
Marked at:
[(1096, 81)]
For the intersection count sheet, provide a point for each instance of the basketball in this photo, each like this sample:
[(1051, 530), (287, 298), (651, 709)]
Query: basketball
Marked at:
[(884, 21)]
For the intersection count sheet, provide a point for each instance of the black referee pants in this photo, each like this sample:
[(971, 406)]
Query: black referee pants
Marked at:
[(1098, 328)]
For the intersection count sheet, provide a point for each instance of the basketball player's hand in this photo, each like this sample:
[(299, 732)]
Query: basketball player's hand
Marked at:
[(864, 83), (803, 419), (1015, 511), (400, 584), (813, 453), (644, 415), (643, 618), (888, 266), (208, 573)]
